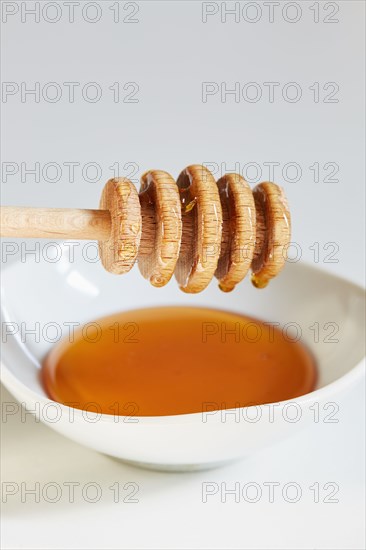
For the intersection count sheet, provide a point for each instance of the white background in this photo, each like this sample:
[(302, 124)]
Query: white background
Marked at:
[(168, 53)]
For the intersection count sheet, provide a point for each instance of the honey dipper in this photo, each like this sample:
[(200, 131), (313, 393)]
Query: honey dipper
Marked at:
[(194, 227)]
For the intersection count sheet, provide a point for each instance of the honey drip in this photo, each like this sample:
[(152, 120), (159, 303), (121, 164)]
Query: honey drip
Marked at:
[(176, 360)]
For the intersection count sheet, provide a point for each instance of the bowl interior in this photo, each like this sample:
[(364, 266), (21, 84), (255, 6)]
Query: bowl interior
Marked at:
[(42, 300)]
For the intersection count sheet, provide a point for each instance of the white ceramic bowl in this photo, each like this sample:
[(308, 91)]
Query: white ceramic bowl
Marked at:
[(75, 290)]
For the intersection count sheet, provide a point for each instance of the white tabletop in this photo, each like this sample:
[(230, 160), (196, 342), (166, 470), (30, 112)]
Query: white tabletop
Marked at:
[(324, 463)]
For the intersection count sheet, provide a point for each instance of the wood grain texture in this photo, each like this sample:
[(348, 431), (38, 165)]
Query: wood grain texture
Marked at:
[(119, 252), (161, 227), (273, 233), (54, 223), (239, 229), (202, 221)]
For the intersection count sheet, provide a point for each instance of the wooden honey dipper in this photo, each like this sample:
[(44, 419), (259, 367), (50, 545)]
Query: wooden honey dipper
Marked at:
[(193, 228)]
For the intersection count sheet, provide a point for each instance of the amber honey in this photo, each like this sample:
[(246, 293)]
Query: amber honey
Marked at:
[(176, 360)]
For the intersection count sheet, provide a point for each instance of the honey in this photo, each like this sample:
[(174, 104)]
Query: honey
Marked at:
[(176, 360)]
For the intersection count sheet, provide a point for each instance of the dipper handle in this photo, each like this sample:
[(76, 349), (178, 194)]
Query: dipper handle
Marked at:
[(55, 223)]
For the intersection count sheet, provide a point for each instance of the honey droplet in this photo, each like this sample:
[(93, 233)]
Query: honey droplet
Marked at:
[(188, 207), (225, 288), (258, 282)]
